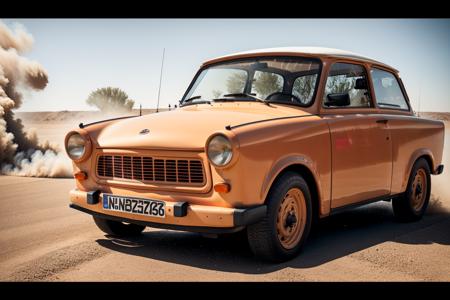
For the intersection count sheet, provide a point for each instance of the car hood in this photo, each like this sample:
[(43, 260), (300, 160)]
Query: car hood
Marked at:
[(186, 128)]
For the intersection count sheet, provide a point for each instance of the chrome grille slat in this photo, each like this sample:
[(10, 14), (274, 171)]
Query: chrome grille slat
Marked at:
[(183, 171), (108, 171), (137, 168), (171, 171), (101, 166), (126, 167), (159, 170), (195, 171), (147, 168), (118, 170), (151, 169)]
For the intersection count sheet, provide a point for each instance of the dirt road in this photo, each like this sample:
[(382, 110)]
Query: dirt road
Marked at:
[(41, 238)]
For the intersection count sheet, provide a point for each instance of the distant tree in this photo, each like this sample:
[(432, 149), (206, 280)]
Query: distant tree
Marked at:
[(344, 84), (110, 99), (304, 87), (267, 83), (236, 82), (264, 83), (216, 93), (339, 84)]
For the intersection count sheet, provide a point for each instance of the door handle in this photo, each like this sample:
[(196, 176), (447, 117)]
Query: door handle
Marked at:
[(383, 121)]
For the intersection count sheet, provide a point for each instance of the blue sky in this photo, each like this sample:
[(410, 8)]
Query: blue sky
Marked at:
[(82, 55)]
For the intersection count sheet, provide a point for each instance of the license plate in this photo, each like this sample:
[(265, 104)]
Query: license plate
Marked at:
[(136, 206)]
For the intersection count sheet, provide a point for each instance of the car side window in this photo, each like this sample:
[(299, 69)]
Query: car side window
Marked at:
[(303, 88), (388, 93), (347, 86), (266, 83)]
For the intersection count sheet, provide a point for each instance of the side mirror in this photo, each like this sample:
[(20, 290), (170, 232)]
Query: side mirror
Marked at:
[(338, 99)]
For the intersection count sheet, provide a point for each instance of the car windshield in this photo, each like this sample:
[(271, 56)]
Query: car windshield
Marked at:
[(290, 80)]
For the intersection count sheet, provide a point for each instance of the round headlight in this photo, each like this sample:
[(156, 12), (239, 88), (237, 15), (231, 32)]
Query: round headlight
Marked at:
[(76, 146), (220, 150)]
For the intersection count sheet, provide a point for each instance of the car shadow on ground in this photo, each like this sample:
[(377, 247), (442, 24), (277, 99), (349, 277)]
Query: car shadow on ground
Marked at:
[(334, 237)]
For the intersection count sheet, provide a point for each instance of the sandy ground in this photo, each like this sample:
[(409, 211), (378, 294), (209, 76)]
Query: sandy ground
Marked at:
[(41, 238)]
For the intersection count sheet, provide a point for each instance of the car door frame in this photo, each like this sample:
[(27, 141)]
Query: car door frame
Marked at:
[(402, 164), (324, 112)]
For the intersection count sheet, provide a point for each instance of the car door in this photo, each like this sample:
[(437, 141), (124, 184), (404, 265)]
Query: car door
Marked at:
[(360, 139)]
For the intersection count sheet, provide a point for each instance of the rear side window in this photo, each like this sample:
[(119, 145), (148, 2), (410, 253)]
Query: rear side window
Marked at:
[(347, 86), (388, 93)]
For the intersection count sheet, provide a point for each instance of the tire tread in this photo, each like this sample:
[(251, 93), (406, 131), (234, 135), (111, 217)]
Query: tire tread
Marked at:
[(262, 236), (401, 206)]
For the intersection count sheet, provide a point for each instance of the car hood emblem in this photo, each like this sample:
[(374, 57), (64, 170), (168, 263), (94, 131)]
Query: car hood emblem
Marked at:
[(144, 131)]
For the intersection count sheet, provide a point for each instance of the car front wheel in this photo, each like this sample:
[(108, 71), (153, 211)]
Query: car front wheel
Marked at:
[(280, 235)]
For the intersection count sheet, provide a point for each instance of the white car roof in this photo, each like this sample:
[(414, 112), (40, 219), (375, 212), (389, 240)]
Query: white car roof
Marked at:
[(306, 50)]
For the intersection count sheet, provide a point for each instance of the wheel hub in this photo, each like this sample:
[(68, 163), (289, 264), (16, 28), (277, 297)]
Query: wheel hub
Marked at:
[(419, 188), (291, 218)]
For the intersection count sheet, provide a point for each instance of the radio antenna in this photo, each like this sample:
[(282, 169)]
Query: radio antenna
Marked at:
[(420, 93), (160, 79)]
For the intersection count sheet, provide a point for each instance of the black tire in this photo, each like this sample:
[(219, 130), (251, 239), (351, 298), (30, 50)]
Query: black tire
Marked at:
[(263, 237), (403, 206), (118, 228)]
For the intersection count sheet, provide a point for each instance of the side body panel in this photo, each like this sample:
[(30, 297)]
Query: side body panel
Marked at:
[(413, 137), (361, 158), (268, 148)]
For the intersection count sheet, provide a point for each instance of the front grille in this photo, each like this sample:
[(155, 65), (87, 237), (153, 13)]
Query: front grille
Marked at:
[(151, 169)]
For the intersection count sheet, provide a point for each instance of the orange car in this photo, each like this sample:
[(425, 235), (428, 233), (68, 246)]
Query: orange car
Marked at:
[(263, 141)]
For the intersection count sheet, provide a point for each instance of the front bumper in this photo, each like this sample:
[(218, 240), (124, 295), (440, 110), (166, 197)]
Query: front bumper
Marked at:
[(439, 170), (196, 218)]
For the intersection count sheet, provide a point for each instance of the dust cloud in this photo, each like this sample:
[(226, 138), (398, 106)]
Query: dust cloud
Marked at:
[(440, 191), (21, 153)]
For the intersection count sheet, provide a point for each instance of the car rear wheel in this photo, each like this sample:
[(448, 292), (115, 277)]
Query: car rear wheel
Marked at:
[(280, 235), (412, 205), (118, 228)]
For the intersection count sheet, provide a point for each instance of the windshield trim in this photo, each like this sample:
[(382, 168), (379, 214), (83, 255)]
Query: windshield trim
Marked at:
[(314, 59)]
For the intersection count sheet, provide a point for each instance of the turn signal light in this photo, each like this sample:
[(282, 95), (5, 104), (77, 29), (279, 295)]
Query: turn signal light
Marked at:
[(80, 175), (222, 187)]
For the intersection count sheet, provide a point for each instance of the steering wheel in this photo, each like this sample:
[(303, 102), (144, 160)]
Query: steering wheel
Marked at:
[(285, 94)]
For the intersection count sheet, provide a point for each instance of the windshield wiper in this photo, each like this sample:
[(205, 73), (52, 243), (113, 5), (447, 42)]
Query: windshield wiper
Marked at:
[(248, 96), (194, 98)]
